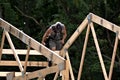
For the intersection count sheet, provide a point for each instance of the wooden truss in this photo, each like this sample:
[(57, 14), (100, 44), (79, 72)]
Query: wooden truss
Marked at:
[(62, 66), (39, 49), (88, 22)]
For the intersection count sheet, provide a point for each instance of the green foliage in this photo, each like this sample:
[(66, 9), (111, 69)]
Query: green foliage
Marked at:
[(10, 14)]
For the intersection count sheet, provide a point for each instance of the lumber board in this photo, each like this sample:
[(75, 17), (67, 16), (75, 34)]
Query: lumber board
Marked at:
[(2, 43), (106, 24), (81, 27), (13, 49), (10, 76), (70, 66), (26, 59), (65, 73), (20, 52), (113, 57), (31, 42), (39, 73), (23, 52), (99, 52), (29, 63), (83, 52), (4, 74)]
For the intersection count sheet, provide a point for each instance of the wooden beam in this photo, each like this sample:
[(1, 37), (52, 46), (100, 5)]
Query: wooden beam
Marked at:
[(70, 66), (81, 27), (10, 76), (26, 59), (56, 75), (113, 57), (64, 52), (14, 52), (20, 52), (65, 73), (106, 24), (98, 51), (23, 52), (51, 55), (4, 74), (29, 63), (83, 52), (39, 73), (2, 43)]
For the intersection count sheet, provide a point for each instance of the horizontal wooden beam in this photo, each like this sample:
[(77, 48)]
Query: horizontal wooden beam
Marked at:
[(4, 74), (106, 24), (29, 63), (13, 49), (51, 55), (23, 52), (39, 73), (20, 52)]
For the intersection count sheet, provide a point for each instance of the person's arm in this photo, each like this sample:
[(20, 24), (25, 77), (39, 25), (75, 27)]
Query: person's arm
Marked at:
[(64, 34), (46, 35)]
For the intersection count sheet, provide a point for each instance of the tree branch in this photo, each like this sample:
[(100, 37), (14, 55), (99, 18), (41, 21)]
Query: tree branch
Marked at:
[(27, 16)]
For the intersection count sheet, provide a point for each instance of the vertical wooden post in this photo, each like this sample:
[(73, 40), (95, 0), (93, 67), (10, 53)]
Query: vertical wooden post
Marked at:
[(10, 76), (70, 66), (113, 57), (67, 71), (56, 75), (83, 52), (63, 75), (2, 43), (99, 52), (14, 52), (26, 59)]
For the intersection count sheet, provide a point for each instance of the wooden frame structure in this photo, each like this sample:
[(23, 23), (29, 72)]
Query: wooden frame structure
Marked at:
[(62, 66), (14, 63), (88, 22), (38, 49)]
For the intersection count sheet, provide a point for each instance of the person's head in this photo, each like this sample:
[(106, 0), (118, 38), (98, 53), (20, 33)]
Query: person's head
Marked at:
[(58, 26)]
